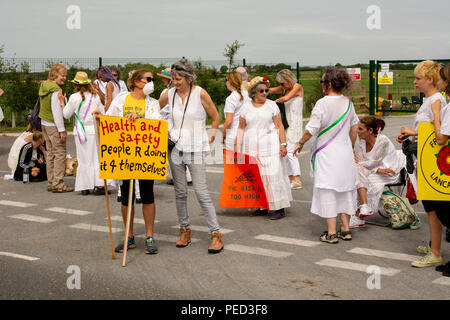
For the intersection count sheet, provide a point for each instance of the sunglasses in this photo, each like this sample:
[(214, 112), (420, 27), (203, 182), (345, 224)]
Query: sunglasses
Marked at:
[(264, 90), (115, 74), (177, 67), (149, 79)]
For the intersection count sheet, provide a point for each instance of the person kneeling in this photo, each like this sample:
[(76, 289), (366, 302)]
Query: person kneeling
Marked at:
[(31, 156), (378, 162)]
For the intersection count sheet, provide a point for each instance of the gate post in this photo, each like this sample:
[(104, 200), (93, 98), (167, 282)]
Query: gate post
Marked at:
[(99, 62), (371, 88), (298, 72)]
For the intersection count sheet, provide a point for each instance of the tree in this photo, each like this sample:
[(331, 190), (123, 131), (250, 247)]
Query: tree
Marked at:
[(230, 52)]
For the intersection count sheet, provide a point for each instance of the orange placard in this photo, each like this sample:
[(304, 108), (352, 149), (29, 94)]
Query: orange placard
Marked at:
[(242, 186)]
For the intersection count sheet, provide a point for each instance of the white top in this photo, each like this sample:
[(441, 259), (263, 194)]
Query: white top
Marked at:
[(425, 114), (260, 136), (335, 166), (13, 155), (101, 85), (233, 105), (294, 116), (151, 107), (445, 120), (383, 155), (192, 137), (72, 107), (122, 86), (57, 114)]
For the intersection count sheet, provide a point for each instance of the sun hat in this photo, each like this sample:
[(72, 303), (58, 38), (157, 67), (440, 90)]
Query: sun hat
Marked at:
[(165, 73), (81, 78), (257, 80)]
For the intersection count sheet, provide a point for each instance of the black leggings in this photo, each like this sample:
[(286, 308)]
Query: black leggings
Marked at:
[(145, 187), (442, 209)]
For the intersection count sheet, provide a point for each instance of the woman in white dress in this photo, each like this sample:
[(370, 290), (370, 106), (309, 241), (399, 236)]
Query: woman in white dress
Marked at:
[(293, 101), (107, 85), (378, 162), (426, 76), (262, 136), (232, 108), (81, 104), (333, 123)]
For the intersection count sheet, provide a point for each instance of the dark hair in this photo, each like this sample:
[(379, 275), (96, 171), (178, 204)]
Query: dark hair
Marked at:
[(137, 75), (338, 78), (37, 135), (370, 122), (444, 72)]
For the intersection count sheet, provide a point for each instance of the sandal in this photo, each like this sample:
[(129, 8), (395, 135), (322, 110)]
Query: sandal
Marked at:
[(345, 235), (330, 238)]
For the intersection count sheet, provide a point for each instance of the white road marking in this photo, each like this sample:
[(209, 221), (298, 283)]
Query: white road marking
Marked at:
[(205, 229), (167, 238), (69, 211), (18, 256), (296, 242), (442, 280), (257, 251), (28, 217), (92, 227), (17, 204), (384, 254), (354, 266), (136, 220), (214, 169)]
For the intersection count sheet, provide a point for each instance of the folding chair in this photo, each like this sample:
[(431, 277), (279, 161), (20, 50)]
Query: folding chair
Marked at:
[(415, 100), (405, 102)]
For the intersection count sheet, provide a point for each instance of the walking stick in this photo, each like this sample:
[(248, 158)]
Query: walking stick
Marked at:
[(106, 193), (127, 231)]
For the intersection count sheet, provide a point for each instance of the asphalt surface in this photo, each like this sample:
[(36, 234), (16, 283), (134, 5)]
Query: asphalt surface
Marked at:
[(256, 264)]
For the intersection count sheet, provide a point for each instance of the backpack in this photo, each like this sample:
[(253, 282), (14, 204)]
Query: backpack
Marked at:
[(33, 117), (400, 213)]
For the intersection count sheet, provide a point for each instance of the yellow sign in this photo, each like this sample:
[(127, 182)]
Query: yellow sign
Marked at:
[(132, 150), (385, 78), (433, 166)]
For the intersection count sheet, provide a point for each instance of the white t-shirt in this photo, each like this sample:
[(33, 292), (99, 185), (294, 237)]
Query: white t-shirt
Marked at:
[(425, 114), (233, 105), (122, 86), (151, 106), (260, 136), (445, 120), (74, 103)]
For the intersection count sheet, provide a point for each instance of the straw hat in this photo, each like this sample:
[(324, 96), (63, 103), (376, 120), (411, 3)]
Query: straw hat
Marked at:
[(257, 80), (81, 78), (165, 73)]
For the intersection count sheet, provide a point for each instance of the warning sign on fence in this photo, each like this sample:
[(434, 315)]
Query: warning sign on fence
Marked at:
[(385, 78), (433, 166), (132, 150)]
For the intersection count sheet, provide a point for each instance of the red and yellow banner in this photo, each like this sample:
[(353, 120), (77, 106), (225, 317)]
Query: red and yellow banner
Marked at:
[(242, 186)]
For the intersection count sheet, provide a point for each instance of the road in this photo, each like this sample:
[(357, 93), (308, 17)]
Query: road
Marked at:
[(46, 238)]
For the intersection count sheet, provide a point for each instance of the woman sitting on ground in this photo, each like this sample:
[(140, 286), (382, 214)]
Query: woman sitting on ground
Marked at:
[(31, 156), (378, 162)]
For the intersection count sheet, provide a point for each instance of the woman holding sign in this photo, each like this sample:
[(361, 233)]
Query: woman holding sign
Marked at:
[(188, 143), (133, 105), (426, 76), (81, 104), (334, 123)]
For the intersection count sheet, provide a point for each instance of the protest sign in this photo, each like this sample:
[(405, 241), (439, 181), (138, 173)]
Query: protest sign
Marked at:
[(433, 166), (242, 186), (132, 150)]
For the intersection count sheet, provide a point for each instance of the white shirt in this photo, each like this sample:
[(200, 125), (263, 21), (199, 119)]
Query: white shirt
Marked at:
[(425, 114), (74, 103), (233, 105), (57, 114), (335, 166), (192, 136), (445, 120), (122, 86)]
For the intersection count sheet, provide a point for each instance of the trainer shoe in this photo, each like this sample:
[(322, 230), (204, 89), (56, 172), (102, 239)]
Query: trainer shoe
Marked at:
[(63, 189), (184, 238), (278, 214), (356, 222), (131, 245), (430, 260), (216, 244), (424, 249), (364, 211), (296, 185), (150, 246)]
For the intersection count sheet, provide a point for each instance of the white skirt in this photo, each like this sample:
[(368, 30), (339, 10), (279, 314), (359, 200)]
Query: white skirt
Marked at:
[(275, 181), (88, 172), (328, 203)]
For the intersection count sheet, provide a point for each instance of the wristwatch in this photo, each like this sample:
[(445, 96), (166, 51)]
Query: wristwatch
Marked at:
[(283, 144)]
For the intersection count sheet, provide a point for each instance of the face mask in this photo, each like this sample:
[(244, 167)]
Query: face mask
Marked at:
[(148, 88)]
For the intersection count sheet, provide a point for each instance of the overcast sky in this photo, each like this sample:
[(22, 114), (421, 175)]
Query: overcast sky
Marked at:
[(314, 32)]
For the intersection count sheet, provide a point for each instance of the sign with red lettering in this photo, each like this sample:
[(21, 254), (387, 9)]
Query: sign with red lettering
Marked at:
[(355, 73), (132, 150), (242, 186)]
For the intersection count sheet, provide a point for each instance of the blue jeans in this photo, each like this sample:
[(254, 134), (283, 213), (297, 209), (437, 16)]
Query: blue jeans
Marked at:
[(196, 163)]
